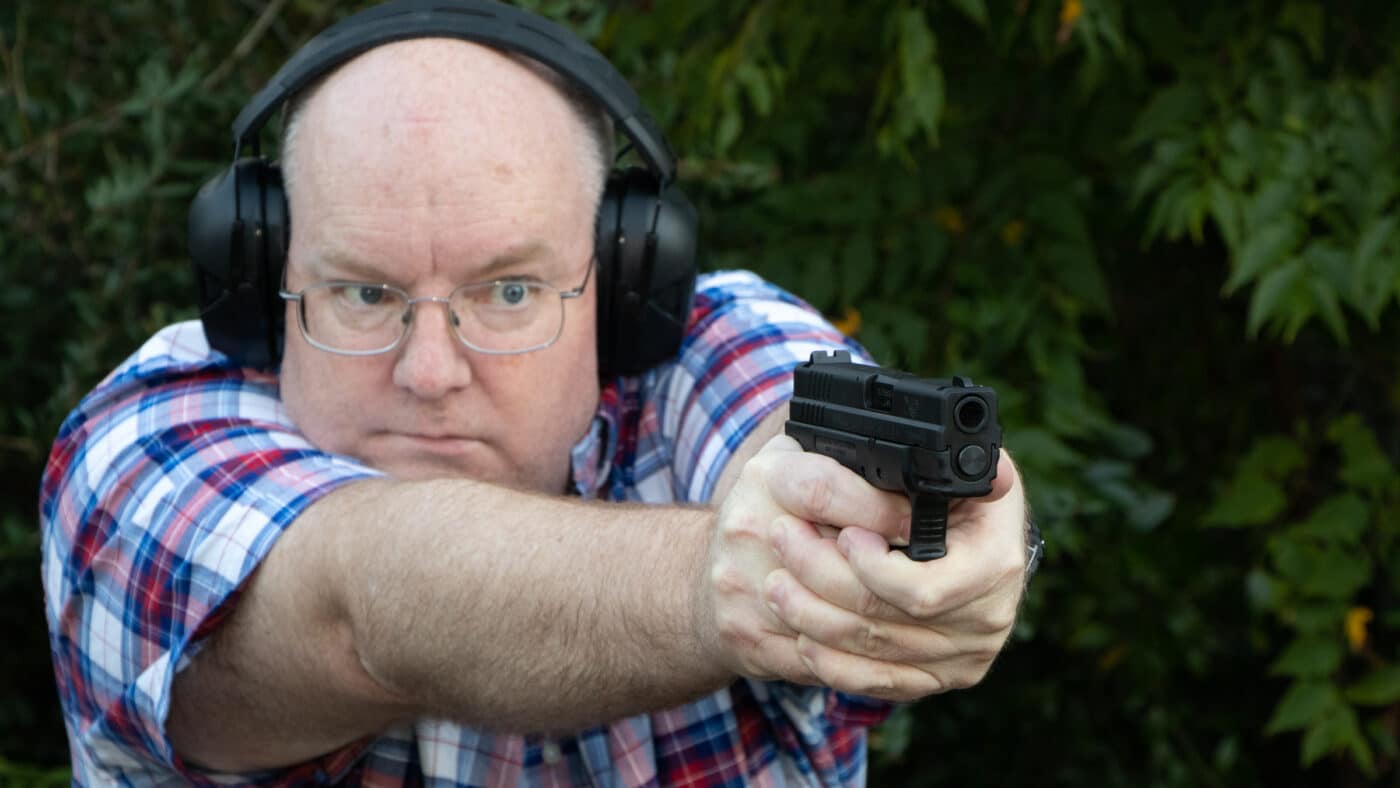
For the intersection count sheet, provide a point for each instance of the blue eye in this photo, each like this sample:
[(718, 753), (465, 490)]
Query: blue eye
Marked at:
[(511, 293), (370, 295)]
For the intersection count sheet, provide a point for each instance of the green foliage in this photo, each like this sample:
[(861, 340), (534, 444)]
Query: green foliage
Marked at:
[(1317, 576), (1166, 232)]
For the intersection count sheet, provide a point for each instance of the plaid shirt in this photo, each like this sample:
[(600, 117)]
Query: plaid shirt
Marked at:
[(171, 481)]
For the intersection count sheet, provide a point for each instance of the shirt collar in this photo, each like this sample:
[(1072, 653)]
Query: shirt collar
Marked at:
[(591, 457)]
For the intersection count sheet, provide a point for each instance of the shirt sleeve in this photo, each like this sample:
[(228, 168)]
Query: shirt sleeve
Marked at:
[(165, 489), (735, 368)]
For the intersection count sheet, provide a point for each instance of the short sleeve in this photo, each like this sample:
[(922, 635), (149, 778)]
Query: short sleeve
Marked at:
[(735, 367), (165, 489)]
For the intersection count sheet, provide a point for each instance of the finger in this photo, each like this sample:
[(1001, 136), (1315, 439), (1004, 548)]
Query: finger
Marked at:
[(976, 584), (819, 489), (777, 658), (782, 443), (811, 616), (818, 565), (864, 676)]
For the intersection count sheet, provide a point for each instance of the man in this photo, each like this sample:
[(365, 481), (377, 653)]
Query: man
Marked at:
[(362, 569)]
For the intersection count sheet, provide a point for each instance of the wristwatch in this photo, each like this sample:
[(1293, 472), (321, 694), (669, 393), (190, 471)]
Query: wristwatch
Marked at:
[(1035, 548)]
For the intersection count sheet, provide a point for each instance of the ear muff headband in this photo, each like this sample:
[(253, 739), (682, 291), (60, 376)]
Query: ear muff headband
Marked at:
[(482, 21)]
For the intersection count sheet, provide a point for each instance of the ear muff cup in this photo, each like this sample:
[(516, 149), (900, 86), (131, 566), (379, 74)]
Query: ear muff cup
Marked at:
[(646, 245), (238, 235)]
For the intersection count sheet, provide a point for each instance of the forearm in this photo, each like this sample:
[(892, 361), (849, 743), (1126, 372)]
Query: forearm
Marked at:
[(492, 607), (512, 611)]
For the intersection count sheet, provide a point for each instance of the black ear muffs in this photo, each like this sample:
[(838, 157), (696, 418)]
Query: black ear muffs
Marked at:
[(239, 230), (239, 226), (646, 274)]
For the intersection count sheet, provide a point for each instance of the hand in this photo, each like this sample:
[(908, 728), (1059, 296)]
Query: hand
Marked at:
[(781, 480), (872, 622)]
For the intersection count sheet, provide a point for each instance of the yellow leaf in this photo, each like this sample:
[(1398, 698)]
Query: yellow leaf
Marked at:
[(1013, 232), (1357, 619), (1110, 659), (950, 219), (849, 324), (1070, 12)]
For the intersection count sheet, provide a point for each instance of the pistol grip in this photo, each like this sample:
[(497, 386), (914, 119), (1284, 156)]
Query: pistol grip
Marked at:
[(928, 527)]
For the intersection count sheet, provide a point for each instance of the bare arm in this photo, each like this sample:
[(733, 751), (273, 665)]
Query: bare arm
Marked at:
[(388, 601), (501, 609)]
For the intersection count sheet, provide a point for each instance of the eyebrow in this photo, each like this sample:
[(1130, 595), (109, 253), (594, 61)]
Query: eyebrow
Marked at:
[(350, 265)]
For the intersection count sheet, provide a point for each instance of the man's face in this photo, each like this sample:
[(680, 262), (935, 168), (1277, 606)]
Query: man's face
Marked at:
[(404, 177)]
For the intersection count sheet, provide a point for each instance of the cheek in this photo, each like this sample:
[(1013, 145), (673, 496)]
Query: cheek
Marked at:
[(330, 416), (554, 392)]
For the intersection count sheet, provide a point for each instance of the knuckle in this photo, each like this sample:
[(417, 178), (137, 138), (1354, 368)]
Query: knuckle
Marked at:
[(746, 526), (867, 603), (880, 682), (994, 620), (728, 581), (925, 603), (815, 494), (875, 639)]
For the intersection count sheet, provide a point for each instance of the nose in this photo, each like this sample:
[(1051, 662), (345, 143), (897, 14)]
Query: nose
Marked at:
[(432, 362)]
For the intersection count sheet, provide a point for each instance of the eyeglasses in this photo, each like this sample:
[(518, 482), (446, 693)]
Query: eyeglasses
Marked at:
[(503, 317)]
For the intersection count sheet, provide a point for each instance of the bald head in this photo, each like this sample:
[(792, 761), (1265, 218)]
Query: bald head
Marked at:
[(444, 81)]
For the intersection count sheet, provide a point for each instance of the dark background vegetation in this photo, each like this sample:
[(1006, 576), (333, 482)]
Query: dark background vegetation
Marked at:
[(1167, 232)]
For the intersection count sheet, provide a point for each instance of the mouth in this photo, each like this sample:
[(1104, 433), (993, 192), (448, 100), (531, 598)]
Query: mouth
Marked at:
[(431, 443), (432, 439)]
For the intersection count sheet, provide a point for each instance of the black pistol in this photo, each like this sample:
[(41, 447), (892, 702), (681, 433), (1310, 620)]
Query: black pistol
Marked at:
[(933, 439)]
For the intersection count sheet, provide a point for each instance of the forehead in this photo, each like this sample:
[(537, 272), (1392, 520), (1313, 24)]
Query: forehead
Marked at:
[(438, 149)]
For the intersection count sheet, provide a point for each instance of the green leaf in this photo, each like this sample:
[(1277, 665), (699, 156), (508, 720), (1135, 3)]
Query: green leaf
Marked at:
[(1272, 297), (1248, 500), (1261, 589), (1337, 731), (922, 76), (1310, 656), (1227, 210), (756, 86), (1264, 250), (1179, 108), (976, 10), (1041, 448), (1343, 519), (1305, 702), (857, 265), (1365, 466), (1380, 687), (731, 122), (1254, 495), (1333, 573), (1305, 19), (1077, 270), (1329, 307)]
